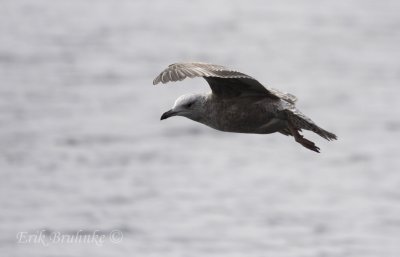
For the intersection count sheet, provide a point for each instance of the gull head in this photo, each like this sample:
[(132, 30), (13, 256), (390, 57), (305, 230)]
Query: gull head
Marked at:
[(190, 106)]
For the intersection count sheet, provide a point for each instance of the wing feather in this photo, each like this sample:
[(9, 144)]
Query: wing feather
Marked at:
[(223, 81)]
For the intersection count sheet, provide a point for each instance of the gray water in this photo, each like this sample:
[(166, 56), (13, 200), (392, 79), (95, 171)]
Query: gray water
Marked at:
[(82, 147)]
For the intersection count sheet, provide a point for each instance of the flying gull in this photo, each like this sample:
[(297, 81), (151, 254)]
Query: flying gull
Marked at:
[(239, 103)]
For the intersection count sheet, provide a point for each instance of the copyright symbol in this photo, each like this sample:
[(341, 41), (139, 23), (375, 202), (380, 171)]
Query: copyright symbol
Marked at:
[(116, 236)]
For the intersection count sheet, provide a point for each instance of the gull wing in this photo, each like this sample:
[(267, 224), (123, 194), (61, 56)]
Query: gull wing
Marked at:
[(223, 82)]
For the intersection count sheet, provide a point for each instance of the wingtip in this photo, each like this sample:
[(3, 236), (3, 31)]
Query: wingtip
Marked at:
[(156, 80)]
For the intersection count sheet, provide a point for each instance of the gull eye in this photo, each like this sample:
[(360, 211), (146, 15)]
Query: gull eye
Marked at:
[(189, 105)]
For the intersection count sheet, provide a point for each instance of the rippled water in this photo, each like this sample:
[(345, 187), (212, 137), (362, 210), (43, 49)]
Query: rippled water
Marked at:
[(82, 147)]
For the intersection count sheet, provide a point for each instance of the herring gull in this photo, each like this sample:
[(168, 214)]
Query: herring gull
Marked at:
[(239, 103)]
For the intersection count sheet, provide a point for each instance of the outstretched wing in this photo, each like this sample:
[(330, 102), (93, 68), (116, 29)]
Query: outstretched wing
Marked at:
[(223, 81)]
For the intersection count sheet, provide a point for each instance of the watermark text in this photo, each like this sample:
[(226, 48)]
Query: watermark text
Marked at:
[(46, 238)]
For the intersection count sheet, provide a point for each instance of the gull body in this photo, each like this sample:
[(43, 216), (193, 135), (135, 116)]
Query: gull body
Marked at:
[(239, 103)]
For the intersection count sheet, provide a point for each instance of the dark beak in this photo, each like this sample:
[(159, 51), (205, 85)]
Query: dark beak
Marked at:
[(168, 114)]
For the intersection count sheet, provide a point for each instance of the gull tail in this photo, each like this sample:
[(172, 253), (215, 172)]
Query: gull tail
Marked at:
[(298, 121), (301, 121)]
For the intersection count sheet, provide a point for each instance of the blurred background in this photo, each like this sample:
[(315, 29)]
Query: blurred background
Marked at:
[(82, 146)]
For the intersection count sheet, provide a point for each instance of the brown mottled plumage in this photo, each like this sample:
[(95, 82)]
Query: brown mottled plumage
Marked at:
[(239, 103)]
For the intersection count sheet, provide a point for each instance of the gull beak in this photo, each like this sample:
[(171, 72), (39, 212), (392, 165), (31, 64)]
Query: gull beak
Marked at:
[(168, 114)]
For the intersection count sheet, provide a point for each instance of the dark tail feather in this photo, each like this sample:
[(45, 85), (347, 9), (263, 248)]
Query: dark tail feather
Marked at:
[(300, 121), (323, 133)]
